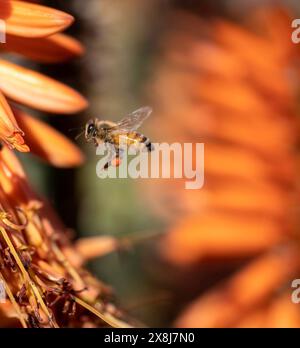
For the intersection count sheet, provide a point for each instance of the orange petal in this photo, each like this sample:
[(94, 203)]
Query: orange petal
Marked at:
[(242, 42), (38, 91), (47, 143), (255, 319), (31, 20), (53, 49), (250, 287), (219, 235), (279, 33), (18, 143), (232, 161), (12, 164), (10, 132), (281, 313), (92, 247), (13, 180)]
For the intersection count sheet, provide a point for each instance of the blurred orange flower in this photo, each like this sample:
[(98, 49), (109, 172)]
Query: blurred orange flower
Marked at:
[(234, 88)]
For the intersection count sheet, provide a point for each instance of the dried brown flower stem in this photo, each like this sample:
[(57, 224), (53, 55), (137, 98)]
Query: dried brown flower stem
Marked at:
[(70, 269), (106, 317), (5, 218), (27, 277)]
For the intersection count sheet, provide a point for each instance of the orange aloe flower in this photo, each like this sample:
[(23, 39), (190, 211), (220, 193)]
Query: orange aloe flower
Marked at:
[(51, 49), (33, 31), (42, 271), (31, 20), (9, 129), (234, 88)]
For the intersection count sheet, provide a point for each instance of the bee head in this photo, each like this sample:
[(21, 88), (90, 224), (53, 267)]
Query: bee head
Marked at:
[(90, 130)]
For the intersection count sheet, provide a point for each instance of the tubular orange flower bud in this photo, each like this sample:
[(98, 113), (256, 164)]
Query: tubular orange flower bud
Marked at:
[(218, 235), (10, 132), (11, 162), (31, 20), (52, 49), (38, 91), (47, 143), (13, 180), (92, 247)]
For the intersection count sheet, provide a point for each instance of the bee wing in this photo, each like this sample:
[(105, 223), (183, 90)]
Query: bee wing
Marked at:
[(134, 120)]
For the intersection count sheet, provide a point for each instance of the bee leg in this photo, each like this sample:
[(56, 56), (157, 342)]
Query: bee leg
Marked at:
[(150, 147), (108, 164), (114, 158), (112, 154), (116, 161)]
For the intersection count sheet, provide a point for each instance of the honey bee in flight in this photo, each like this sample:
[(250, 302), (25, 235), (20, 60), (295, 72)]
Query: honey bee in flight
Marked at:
[(116, 135)]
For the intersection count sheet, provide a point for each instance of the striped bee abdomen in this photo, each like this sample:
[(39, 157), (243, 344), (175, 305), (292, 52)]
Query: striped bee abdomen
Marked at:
[(132, 138), (146, 141)]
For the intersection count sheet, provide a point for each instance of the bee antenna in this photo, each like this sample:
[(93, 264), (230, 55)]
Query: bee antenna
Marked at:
[(79, 135), (76, 128)]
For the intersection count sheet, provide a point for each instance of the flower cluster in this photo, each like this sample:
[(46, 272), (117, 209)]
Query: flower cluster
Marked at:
[(45, 283), (235, 88)]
